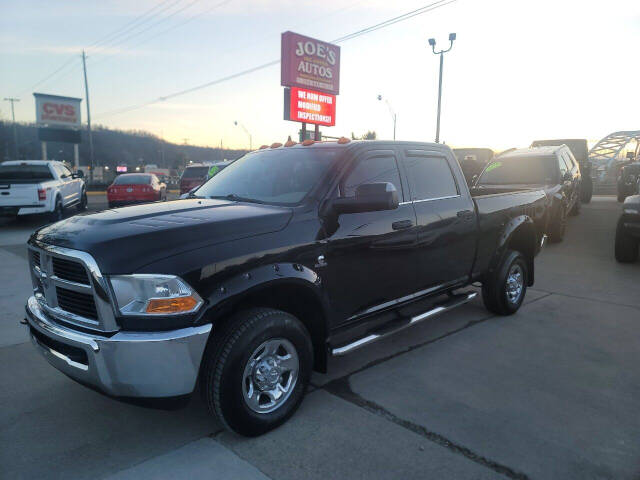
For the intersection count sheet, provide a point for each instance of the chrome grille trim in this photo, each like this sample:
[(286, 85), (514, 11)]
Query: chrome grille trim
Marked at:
[(45, 283)]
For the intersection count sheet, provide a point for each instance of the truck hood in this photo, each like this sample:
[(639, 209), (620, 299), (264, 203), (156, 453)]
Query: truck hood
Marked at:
[(125, 239)]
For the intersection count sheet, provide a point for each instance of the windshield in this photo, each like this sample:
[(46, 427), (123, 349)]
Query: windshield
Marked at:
[(132, 180), (195, 172), (283, 176), (25, 172), (520, 170)]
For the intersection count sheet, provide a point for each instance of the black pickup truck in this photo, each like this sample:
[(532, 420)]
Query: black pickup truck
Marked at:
[(291, 254)]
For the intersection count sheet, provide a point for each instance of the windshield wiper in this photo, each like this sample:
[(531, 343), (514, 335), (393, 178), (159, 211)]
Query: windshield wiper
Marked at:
[(236, 198)]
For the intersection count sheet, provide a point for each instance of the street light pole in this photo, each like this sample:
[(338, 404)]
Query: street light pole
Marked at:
[(15, 130), (237, 123), (394, 116), (432, 42)]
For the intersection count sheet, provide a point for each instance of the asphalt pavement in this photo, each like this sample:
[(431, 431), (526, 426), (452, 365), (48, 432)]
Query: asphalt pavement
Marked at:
[(551, 392)]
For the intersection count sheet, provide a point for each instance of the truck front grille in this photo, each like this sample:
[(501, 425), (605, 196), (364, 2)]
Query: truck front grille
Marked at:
[(70, 287), (76, 302), (69, 270)]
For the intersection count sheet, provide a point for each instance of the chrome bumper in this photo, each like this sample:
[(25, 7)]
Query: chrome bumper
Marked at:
[(127, 364)]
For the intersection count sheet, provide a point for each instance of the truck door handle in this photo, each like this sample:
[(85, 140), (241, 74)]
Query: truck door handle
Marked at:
[(466, 214), (402, 224)]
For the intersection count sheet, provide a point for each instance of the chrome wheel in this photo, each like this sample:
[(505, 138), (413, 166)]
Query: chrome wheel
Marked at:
[(515, 283), (270, 375)]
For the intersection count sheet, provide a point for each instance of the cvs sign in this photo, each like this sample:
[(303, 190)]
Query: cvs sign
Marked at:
[(57, 110)]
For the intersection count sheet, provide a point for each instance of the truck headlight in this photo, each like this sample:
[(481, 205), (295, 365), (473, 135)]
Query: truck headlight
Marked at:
[(147, 294)]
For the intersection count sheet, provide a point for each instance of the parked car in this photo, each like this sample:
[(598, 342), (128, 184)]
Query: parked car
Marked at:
[(288, 256), (131, 188), (628, 231), (553, 169), (40, 186), (472, 161), (629, 181), (580, 150), (193, 176)]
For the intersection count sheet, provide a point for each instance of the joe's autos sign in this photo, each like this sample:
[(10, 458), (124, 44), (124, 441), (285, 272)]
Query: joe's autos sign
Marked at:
[(308, 106), (310, 63), (57, 110)]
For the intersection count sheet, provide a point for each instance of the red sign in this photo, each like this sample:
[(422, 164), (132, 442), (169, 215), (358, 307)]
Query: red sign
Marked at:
[(56, 110), (309, 106), (309, 63), (121, 169)]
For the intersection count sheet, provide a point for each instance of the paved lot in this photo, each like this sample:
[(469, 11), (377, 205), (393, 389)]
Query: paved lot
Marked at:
[(551, 392)]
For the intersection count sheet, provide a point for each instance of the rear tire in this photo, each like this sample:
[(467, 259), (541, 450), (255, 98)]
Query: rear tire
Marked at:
[(586, 191), (556, 233), (58, 211), (504, 290), (575, 210), (82, 206), (234, 366), (626, 249)]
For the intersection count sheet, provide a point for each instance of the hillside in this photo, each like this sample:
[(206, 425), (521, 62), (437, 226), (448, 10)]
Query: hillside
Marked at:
[(111, 147)]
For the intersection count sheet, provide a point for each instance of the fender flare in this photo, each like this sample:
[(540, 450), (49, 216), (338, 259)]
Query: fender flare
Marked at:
[(512, 227), (242, 284)]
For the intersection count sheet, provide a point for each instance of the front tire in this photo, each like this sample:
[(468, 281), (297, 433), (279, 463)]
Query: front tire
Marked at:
[(575, 210), (504, 290), (626, 248), (256, 370)]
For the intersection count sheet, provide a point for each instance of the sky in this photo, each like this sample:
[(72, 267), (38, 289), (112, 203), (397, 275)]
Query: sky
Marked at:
[(519, 70)]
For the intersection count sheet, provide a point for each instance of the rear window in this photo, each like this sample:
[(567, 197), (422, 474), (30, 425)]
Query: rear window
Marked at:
[(520, 170), (195, 172), (132, 180), (25, 172)]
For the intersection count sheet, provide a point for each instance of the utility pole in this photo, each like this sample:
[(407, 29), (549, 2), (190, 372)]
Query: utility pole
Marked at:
[(86, 92), (432, 42), (15, 130), (394, 116), (237, 123)]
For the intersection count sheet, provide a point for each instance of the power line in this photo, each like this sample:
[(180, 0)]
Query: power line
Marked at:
[(153, 25), (74, 58), (218, 5), (419, 11)]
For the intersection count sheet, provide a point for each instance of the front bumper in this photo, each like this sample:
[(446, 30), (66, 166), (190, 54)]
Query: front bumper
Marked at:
[(127, 364)]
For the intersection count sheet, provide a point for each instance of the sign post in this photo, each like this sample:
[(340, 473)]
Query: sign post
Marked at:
[(310, 73)]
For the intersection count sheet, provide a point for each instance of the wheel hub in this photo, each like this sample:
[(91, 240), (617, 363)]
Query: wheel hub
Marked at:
[(270, 375), (515, 283), (266, 373)]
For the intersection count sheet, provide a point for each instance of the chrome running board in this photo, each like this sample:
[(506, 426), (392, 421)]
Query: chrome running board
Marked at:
[(454, 302)]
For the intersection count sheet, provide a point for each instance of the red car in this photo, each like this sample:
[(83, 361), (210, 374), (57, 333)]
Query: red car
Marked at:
[(193, 176), (131, 188)]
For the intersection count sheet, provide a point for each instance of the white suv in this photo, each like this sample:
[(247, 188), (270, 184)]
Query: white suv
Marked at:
[(40, 186)]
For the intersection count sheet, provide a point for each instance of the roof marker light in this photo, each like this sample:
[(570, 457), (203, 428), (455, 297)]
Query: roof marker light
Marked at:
[(262, 147), (308, 142), (290, 143), (343, 140), (276, 145)]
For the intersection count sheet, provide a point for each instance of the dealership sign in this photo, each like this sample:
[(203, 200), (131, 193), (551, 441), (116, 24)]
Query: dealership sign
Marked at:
[(54, 110), (310, 63), (309, 106)]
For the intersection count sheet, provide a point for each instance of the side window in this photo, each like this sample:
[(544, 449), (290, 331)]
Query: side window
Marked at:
[(65, 171), (562, 165), (429, 177), (371, 170)]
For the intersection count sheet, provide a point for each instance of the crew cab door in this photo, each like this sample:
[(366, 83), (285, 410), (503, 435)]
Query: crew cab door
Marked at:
[(370, 258), (69, 186), (446, 218)]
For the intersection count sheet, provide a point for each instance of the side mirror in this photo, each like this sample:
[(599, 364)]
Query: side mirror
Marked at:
[(567, 177), (78, 174), (369, 197)]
